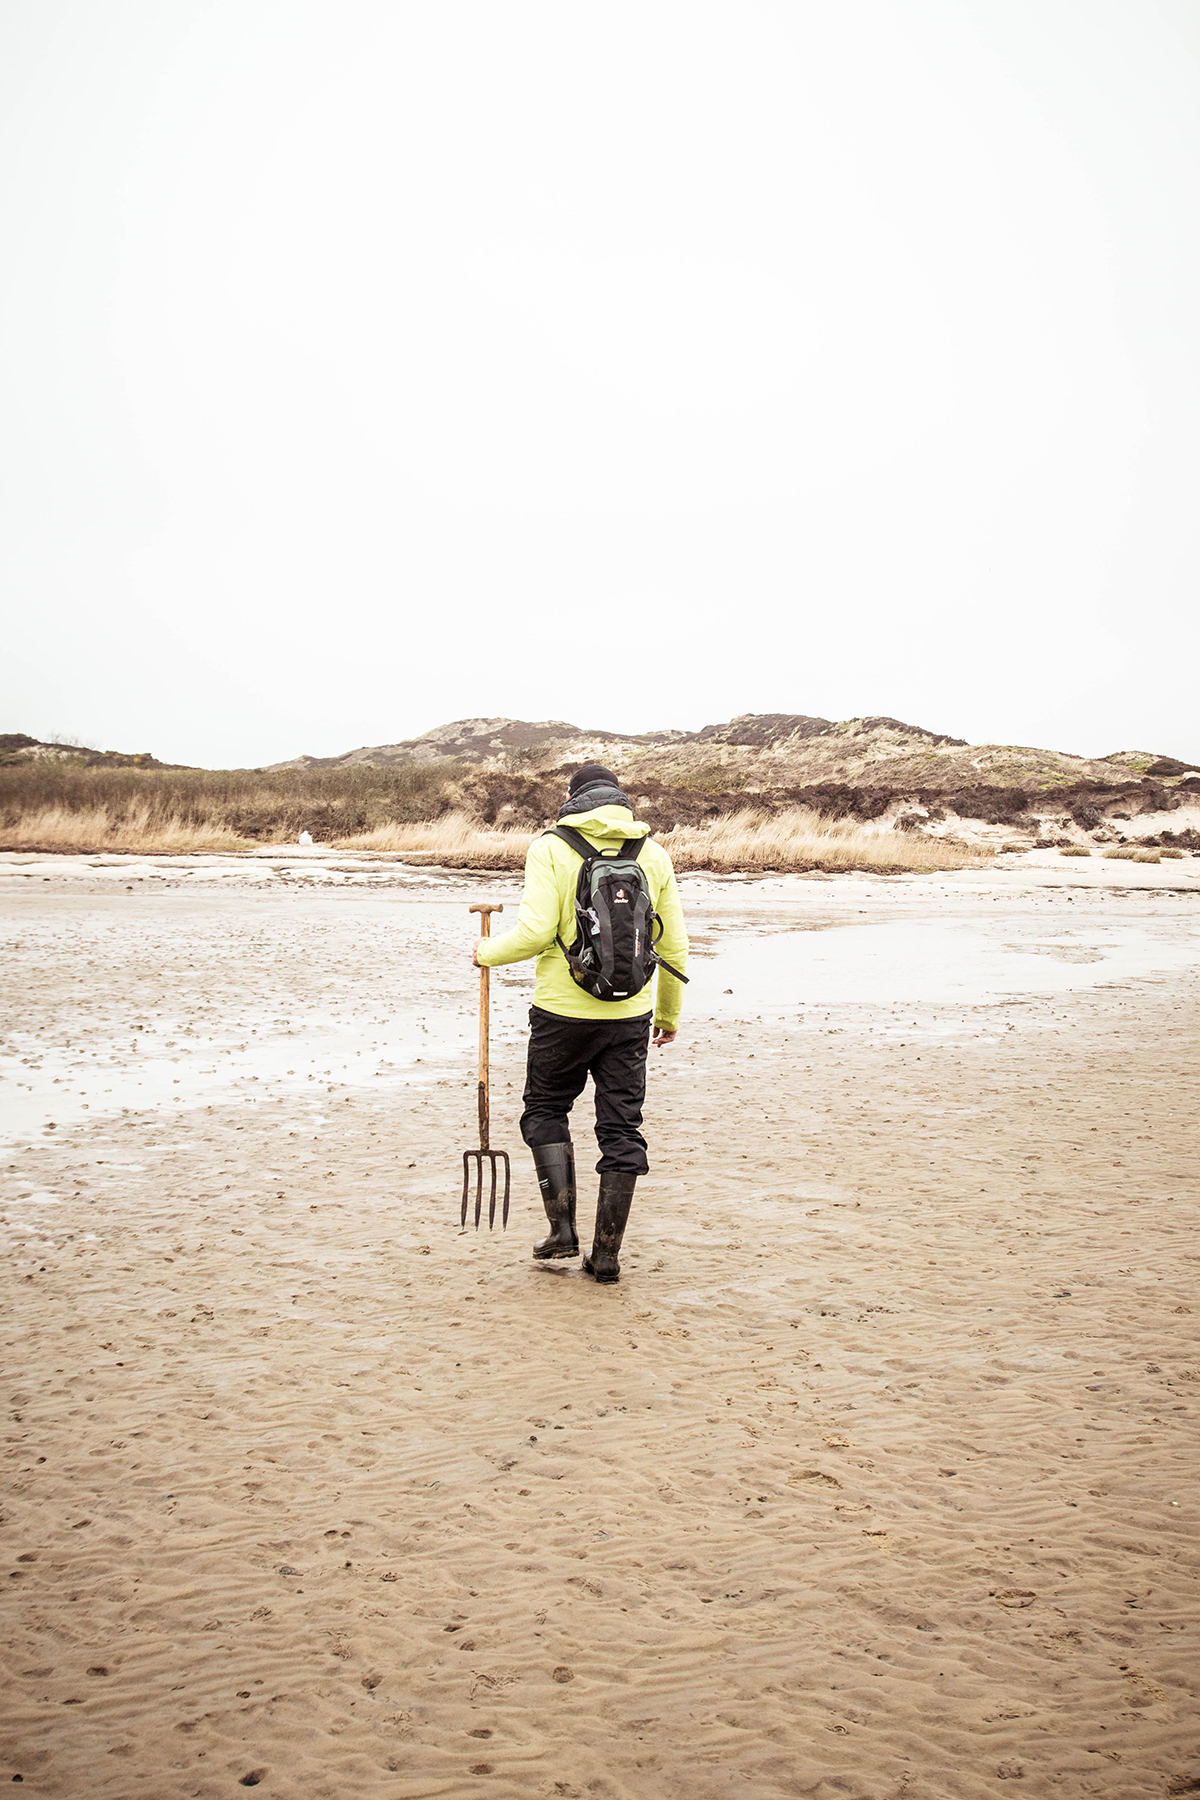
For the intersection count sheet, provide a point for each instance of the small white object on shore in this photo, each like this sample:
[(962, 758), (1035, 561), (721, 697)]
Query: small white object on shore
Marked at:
[(306, 837)]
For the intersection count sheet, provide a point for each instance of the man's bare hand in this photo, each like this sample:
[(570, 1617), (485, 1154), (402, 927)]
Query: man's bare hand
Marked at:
[(475, 953), (663, 1038)]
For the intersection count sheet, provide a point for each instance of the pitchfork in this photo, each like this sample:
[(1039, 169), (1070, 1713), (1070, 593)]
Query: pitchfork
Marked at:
[(485, 929)]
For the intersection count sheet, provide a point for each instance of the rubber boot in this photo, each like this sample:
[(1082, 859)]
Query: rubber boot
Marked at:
[(555, 1166), (612, 1214)]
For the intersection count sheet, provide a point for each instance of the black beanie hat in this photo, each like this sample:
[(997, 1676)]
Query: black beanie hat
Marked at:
[(590, 775)]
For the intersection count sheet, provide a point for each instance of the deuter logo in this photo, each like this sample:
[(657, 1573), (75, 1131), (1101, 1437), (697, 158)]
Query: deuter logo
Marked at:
[(620, 896)]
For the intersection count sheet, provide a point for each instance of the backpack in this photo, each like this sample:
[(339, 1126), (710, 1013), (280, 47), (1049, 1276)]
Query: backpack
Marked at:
[(613, 956)]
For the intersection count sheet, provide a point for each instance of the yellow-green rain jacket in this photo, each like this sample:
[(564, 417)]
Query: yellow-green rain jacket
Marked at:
[(548, 909)]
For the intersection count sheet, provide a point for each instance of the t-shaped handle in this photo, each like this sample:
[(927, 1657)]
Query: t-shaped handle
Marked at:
[(487, 908)]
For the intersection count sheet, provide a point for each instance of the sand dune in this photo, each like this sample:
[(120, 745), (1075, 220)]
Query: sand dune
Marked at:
[(875, 1477)]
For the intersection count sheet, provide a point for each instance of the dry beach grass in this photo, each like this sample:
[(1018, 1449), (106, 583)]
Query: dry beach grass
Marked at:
[(423, 812), (64, 803), (455, 840), (750, 841), (800, 839), (797, 839), (136, 826)]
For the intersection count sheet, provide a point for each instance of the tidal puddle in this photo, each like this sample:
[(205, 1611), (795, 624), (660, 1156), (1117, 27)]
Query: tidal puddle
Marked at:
[(938, 962), (199, 1069), (114, 1050)]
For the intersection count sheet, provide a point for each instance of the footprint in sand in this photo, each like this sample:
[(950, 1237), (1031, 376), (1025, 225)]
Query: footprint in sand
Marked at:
[(813, 1475)]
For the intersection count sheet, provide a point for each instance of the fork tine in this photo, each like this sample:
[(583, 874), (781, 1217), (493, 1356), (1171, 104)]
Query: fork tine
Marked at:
[(473, 1163)]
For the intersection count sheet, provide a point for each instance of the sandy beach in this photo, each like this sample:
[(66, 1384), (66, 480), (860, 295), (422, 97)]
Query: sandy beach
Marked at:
[(874, 1477)]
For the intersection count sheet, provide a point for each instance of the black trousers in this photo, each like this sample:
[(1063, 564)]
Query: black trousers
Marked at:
[(562, 1054)]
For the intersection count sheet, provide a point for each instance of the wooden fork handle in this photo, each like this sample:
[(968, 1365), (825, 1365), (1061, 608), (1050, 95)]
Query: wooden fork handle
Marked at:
[(485, 908)]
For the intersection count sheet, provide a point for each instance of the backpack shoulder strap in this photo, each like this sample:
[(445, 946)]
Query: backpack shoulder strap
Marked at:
[(576, 840), (631, 849)]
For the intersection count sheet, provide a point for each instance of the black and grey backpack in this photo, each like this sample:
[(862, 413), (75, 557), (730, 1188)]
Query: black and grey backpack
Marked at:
[(613, 956)]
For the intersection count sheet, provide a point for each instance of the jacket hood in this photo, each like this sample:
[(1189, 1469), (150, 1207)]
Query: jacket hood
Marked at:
[(608, 825), (591, 797)]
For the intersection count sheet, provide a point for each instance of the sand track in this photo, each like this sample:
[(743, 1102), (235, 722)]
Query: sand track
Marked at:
[(874, 1477)]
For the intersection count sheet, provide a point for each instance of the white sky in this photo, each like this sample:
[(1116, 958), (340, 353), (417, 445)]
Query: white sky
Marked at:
[(366, 364)]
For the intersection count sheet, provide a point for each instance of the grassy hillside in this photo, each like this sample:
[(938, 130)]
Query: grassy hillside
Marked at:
[(422, 812), (65, 803), (762, 791)]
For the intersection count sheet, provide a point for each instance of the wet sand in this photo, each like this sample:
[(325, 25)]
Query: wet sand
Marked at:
[(875, 1476)]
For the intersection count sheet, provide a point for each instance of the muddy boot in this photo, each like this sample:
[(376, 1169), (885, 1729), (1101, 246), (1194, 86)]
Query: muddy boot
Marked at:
[(555, 1165), (612, 1212)]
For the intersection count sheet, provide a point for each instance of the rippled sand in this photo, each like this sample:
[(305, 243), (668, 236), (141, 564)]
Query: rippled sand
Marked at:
[(874, 1477)]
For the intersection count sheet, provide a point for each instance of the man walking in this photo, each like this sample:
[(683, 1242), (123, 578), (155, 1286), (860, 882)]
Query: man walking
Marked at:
[(572, 1032)]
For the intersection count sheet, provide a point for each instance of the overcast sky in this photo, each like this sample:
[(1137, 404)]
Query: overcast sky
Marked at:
[(372, 363)]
